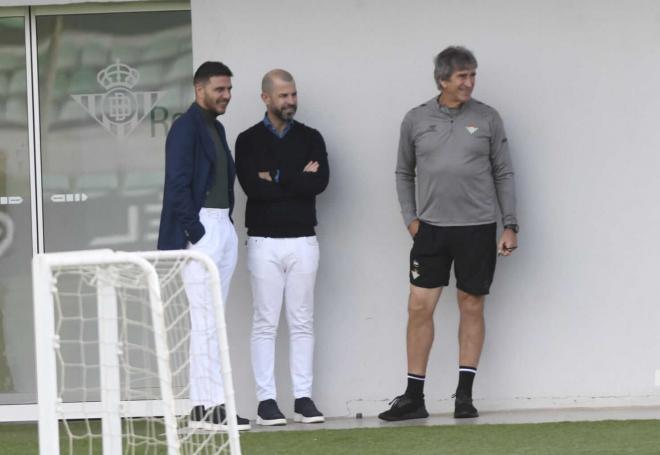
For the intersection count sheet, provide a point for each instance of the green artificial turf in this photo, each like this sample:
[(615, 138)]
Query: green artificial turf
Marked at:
[(568, 438), (596, 438)]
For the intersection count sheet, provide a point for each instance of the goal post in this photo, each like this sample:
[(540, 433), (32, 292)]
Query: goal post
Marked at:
[(112, 343), (165, 263)]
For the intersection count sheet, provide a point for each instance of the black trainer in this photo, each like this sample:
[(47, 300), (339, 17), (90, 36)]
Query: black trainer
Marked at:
[(405, 408), (213, 419), (463, 407), (197, 419), (305, 411), (269, 414)]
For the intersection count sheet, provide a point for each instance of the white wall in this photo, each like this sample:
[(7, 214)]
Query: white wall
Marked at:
[(574, 316)]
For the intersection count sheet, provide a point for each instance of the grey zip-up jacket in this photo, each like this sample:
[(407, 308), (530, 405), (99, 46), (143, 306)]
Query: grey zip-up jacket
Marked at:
[(460, 160)]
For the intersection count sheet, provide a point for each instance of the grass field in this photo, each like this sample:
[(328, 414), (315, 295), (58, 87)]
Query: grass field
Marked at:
[(594, 438)]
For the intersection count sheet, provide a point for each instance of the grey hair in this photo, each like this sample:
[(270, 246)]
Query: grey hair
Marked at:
[(453, 58), (267, 81)]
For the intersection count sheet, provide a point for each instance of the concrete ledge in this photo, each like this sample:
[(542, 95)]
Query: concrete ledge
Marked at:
[(486, 418)]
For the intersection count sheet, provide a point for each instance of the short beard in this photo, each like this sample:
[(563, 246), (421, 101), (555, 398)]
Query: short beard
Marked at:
[(279, 113), (211, 104)]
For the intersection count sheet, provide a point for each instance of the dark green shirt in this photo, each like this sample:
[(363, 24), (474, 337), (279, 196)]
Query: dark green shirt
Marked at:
[(218, 195)]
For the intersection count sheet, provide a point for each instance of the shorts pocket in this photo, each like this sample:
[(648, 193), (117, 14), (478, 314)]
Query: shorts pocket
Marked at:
[(419, 231)]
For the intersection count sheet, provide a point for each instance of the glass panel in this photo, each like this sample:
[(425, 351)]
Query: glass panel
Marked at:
[(17, 372), (109, 87)]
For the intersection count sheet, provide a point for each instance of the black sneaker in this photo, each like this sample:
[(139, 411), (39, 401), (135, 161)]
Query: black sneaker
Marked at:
[(463, 407), (305, 411), (215, 419), (405, 408), (269, 414), (197, 419)]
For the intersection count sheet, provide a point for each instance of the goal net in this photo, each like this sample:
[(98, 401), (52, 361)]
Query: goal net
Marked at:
[(114, 353)]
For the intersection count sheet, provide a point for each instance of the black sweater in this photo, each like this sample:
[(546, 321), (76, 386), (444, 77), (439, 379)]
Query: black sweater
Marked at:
[(287, 208)]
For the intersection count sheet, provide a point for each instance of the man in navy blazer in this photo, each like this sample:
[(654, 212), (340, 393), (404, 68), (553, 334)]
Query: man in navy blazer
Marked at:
[(197, 203)]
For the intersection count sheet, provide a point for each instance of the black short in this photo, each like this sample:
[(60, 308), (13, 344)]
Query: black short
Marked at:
[(471, 248)]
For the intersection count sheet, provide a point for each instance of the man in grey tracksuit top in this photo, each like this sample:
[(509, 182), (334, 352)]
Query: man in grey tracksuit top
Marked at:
[(462, 162), (456, 151)]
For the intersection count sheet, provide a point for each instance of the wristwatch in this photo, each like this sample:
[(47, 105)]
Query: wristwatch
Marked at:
[(513, 227)]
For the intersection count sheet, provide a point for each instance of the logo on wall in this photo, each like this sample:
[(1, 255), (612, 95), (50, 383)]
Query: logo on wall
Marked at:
[(120, 109)]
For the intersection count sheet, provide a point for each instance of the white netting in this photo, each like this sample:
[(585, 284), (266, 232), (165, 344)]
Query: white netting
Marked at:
[(91, 374), (171, 270)]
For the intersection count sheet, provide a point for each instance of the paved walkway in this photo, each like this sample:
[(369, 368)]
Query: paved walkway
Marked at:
[(522, 416)]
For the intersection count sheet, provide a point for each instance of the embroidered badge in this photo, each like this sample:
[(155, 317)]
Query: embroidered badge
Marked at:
[(414, 270)]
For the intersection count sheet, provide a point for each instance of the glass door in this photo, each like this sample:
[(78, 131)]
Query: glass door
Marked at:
[(87, 96), (109, 85), (17, 384)]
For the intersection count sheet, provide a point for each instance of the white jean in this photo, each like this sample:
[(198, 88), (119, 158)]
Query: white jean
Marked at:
[(220, 243), (283, 270)]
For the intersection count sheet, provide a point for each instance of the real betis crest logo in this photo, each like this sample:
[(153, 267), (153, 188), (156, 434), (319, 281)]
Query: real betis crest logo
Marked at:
[(119, 110)]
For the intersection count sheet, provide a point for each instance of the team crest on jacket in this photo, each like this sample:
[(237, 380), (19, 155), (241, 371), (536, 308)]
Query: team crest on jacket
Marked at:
[(471, 129), (120, 109)]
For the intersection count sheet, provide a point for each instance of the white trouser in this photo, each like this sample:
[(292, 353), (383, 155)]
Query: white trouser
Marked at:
[(283, 269), (221, 245)]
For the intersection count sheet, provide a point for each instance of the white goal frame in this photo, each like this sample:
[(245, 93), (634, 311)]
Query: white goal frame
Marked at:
[(50, 410)]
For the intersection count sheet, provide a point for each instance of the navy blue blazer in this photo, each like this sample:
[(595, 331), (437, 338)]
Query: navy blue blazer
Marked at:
[(189, 174)]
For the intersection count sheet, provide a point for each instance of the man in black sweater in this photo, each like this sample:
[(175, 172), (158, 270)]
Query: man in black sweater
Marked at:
[(282, 165)]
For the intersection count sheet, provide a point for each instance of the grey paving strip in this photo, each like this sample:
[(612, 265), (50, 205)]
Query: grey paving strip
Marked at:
[(486, 418)]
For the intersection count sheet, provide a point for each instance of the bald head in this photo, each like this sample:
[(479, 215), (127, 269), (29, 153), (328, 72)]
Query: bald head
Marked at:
[(268, 82), (278, 92)]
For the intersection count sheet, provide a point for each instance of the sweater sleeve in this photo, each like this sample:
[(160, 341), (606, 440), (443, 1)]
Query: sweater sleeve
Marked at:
[(311, 183), (247, 171), (502, 169), (405, 173)]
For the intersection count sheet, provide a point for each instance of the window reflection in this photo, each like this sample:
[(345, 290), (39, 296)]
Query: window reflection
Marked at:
[(100, 188), (111, 86), (16, 349)]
